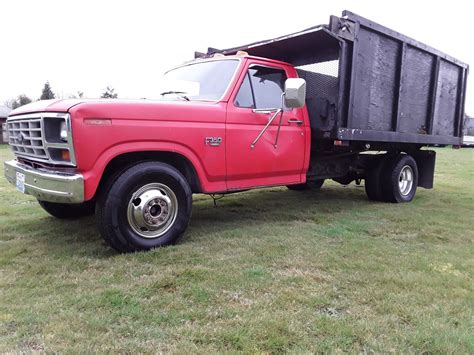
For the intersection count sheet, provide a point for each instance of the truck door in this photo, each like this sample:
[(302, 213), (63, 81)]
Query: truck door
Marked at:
[(260, 87)]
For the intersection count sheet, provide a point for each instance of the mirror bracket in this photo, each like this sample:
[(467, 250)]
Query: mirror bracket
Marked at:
[(276, 112)]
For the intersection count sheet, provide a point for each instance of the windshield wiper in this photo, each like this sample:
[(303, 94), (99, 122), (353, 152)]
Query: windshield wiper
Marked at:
[(179, 93)]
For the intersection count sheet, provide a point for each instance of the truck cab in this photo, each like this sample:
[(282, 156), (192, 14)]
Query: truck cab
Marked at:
[(234, 130)]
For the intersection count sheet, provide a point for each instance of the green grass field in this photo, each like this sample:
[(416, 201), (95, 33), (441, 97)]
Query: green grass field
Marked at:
[(265, 271)]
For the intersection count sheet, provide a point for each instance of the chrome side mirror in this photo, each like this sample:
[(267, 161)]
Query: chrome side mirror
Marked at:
[(295, 92)]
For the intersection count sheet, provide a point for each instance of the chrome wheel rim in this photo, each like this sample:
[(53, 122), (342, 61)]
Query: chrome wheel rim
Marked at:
[(405, 180), (152, 210)]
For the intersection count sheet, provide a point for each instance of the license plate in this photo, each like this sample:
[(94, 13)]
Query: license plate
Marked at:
[(20, 182)]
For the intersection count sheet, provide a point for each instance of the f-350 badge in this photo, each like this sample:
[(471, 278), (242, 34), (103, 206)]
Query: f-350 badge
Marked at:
[(213, 141)]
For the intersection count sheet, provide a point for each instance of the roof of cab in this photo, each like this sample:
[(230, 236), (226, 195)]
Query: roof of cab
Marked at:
[(232, 56)]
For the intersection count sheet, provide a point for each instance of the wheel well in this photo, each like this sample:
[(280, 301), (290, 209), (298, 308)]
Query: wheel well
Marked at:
[(122, 162)]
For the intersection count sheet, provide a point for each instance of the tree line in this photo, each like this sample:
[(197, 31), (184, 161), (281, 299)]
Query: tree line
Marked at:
[(48, 94)]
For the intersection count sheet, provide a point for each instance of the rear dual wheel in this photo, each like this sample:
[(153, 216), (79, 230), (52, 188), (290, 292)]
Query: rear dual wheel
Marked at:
[(392, 179), (400, 179)]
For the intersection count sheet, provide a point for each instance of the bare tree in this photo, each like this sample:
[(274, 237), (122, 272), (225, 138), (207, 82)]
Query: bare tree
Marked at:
[(109, 93), (19, 101)]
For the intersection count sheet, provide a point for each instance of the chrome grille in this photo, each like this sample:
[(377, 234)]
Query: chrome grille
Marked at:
[(26, 138), (29, 138)]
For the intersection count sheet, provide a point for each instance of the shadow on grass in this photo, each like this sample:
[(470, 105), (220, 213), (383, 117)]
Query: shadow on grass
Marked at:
[(257, 208), (266, 205)]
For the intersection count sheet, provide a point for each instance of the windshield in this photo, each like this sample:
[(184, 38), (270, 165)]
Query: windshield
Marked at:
[(199, 81)]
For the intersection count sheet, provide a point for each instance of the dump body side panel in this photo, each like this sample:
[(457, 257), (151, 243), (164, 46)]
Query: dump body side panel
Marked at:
[(401, 88)]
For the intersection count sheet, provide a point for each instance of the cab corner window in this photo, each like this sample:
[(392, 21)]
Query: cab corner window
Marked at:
[(244, 97)]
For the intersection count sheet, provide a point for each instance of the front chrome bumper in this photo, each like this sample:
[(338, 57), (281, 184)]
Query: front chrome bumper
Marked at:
[(47, 186)]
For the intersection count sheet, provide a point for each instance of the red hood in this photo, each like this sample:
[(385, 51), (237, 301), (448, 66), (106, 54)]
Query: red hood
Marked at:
[(144, 109), (55, 105), (109, 108)]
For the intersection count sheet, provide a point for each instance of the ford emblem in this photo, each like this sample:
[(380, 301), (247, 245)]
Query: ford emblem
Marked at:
[(21, 137)]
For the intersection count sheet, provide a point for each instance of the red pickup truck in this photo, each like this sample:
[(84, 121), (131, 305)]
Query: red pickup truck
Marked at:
[(265, 114)]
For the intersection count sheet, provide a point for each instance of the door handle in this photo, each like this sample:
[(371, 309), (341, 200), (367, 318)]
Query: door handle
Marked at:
[(295, 120)]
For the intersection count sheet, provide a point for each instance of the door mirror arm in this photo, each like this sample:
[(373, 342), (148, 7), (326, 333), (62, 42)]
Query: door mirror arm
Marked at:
[(276, 112)]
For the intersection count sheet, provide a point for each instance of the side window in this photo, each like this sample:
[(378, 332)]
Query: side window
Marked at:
[(268, 85), (261, 88), (244, 97)]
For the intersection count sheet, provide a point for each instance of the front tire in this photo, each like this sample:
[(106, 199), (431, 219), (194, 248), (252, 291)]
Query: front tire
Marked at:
[(68, 210), (148, 206)]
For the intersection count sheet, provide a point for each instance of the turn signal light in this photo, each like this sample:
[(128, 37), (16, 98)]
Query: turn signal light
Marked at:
[(65, 155)]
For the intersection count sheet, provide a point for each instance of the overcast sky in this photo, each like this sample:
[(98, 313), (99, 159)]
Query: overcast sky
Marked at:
[(87, 45)]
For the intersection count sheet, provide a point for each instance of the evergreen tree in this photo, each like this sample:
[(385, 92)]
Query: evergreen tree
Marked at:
[(47, 92)]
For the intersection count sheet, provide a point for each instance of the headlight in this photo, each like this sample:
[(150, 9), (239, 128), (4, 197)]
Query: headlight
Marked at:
[(63, 131)]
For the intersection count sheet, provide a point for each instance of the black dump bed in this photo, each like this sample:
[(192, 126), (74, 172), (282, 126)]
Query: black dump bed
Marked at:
[(366, 82)]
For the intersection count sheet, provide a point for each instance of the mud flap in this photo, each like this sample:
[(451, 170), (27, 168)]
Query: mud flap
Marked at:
[(425, 160)]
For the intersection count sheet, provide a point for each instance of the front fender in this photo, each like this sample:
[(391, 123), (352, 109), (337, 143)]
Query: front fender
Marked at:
[(93, 176)]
